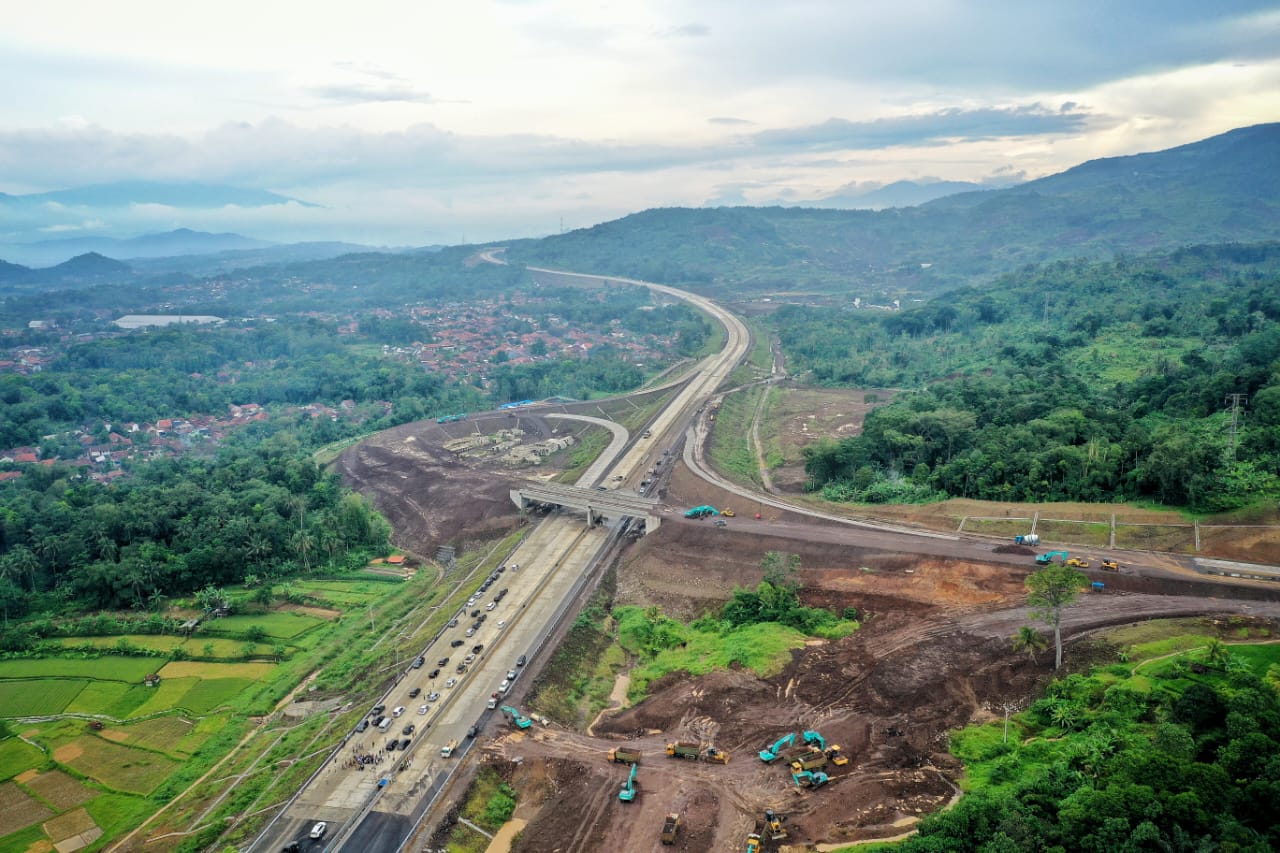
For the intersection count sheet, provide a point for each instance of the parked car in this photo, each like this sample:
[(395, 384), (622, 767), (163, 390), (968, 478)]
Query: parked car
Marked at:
[(471, 632), (455, 643), (413, 694), (319, 829), (362, 725), (451, 682), (471, 732), (469, 658), (397, 711), (521, 661), (453, 623)]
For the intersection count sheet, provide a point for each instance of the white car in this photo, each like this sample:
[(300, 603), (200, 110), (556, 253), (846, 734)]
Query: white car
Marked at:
[(319, 829), (511, 675), (422, 709), (451, 682), (504, 685), (397, 711), (433, 695), (491, 605), (502, 623)]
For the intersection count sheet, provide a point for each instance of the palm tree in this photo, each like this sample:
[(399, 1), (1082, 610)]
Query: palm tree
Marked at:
[(1029, 640), (1216, 653)]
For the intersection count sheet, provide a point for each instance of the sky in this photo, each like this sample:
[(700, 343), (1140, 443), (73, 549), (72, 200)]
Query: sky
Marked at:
[(414, 122)]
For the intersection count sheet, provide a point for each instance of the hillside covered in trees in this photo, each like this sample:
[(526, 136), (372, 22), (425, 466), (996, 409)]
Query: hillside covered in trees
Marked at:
[(1152, 378)]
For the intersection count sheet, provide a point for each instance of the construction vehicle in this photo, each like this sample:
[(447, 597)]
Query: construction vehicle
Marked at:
[(1110, 566), (1047, 558), (670, 827), (701, 511), (728, 513), (836, 756), (628, 792), (773, 825), (810, 761), (716, 756), (1077, 563), (810, 778), (684, 749), (622, 755), (753, 843), (1027, 539), (448, 748), (812, 737), (513, 717), (770, 753)]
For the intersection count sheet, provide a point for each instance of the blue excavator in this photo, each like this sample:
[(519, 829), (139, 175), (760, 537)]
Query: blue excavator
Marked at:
[(810, 778), (628, 792), (770, 753), (514, 717)]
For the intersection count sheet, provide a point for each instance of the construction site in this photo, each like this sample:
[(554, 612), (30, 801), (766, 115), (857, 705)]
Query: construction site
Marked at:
[(849, 742)]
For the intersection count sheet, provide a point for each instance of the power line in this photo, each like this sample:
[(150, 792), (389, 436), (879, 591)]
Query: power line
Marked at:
[(1236, 401)]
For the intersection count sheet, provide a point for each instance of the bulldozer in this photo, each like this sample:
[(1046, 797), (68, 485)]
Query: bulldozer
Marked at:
[(836, 756), (1077, 563), (1110, 566), (773, 825)]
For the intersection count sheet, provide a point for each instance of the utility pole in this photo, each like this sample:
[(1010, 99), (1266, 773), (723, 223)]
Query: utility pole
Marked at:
[(1046, 309), (1236, 401)]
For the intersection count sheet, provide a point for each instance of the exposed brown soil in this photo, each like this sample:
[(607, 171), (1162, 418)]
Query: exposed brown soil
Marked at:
[(933, 654)]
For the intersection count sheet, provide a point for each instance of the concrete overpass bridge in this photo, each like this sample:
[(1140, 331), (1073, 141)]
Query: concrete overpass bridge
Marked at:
[(593, 502)]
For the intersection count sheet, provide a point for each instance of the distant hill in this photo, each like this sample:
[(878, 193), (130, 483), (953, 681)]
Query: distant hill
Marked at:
[(182, 241), (213, 263), (87, 269), (898, 194), (180, 195), (1222, 189)]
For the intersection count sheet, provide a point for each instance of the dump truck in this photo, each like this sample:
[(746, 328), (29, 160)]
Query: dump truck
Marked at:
[(753, 843), (670, 827), (770, 753), (811, 761), (1027, 539), (1110, 566), (1048, 557), (716, 756), (684, 749), (622, 755), (448, 748)]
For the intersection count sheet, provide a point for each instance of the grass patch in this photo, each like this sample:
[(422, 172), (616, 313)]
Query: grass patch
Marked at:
[(97, 697), (38, 696), (1259, 656), (120, 767), (591, 443), (60, 790), (31, 838), (162, 734), (763, 648), (117, 812), (18, 756), (105, 668), (211, 693), (202, 669), (730, 448), (283, 626)]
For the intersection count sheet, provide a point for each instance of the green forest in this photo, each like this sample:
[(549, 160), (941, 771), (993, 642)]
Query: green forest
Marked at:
[(1154, 378), (1106, 763)]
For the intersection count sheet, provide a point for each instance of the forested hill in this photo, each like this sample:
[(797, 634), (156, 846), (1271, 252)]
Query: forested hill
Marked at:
[(1222, 189)]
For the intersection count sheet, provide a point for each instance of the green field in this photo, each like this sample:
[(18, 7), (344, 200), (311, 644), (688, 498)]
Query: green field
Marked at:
[(284, 626), (210, 693), (764, 649), (120, 767), (18, 756), (105, 668), (216, 647), (38, 697)]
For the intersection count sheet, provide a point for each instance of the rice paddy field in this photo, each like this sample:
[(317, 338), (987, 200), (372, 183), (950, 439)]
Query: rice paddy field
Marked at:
[(94, 748)]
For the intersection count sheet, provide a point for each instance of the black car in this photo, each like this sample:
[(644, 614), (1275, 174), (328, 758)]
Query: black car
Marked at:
[(442, 662), (471, 732), (362, 725), (475, 613), (417, 664), (413, 694), (477, 648), (377, 709), (453, 623), (455, 643), (393, 744), (408, 730), (520, 661), (433, 673), (461, 668)]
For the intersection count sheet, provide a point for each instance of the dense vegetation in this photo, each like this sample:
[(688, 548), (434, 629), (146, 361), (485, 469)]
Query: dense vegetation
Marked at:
[(1101, 764), (178, 526), (1071, 381)]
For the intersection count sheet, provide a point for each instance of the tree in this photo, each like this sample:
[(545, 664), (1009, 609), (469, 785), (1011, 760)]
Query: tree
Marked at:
[(1049, 591), (1029, 640)]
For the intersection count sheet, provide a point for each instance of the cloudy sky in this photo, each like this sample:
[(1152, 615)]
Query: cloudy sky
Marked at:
[(422, 121)]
